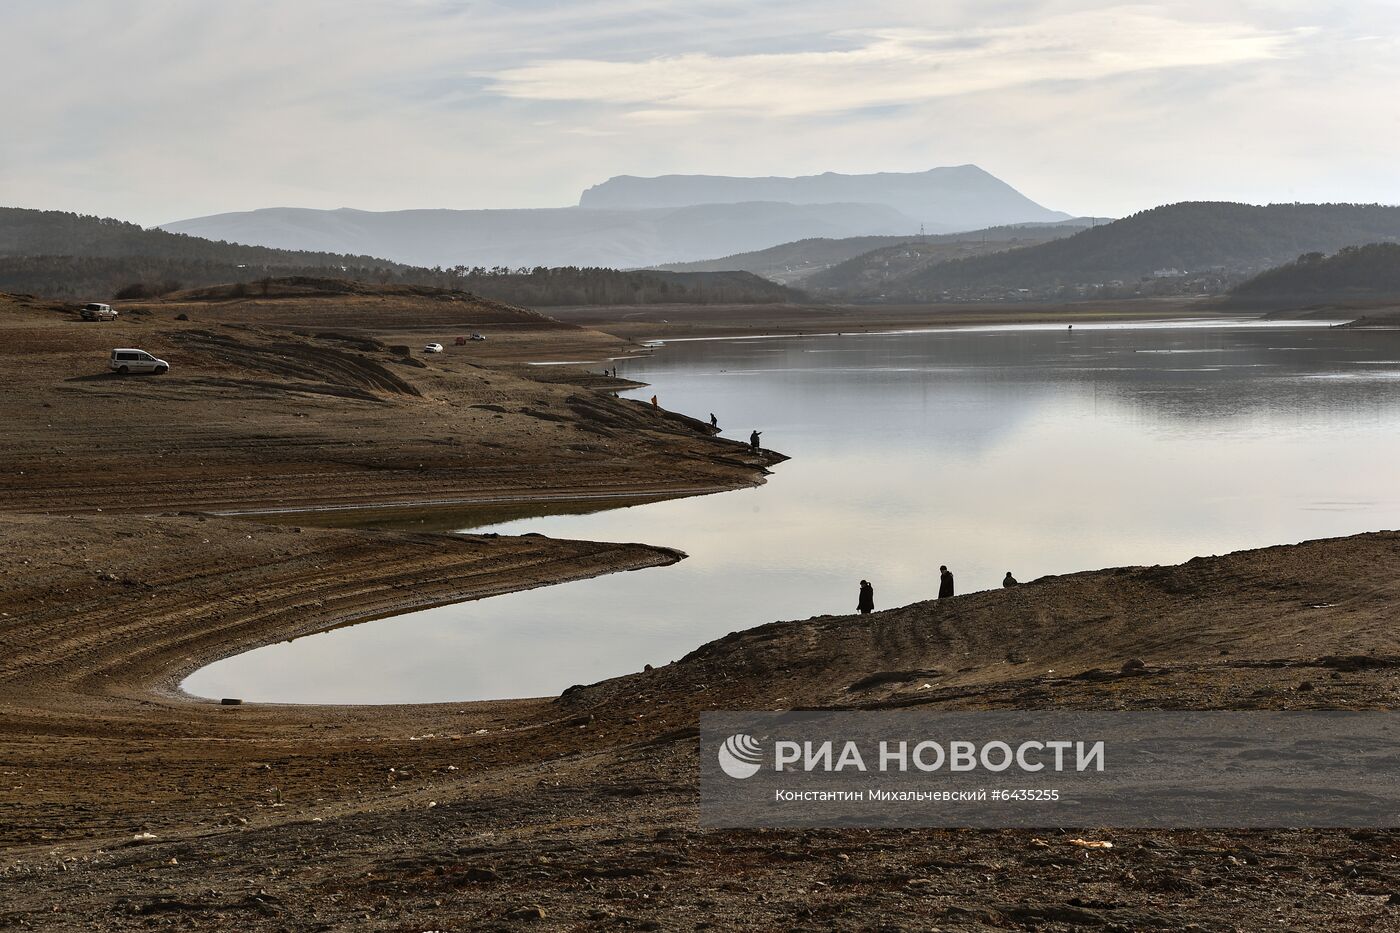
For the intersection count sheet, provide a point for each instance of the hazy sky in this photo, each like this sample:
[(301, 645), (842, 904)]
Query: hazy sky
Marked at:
[(155, 110)]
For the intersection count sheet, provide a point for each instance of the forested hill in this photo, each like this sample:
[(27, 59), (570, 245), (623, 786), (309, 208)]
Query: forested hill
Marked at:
[(553, 287), (1355, 273), (75, 256), (808, 261), (1201, 246), (84, 258), (59, 233), (789, 263), (887, 269)]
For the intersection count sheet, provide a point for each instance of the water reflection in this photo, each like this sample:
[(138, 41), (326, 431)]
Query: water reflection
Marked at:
[(1035, 450)]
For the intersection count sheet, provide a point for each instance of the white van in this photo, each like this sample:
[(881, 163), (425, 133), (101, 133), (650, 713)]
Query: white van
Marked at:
[(129, 360), (96, 311)]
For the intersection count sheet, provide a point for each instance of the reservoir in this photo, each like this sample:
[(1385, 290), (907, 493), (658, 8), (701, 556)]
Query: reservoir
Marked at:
[(1034, 449)]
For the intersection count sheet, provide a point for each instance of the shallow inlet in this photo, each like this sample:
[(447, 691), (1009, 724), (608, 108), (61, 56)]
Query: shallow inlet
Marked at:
[(1033, 449)]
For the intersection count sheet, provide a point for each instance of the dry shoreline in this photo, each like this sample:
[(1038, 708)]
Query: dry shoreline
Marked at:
[(576, 811)]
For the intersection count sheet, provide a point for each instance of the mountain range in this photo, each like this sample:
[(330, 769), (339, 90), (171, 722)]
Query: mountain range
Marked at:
[(942, 200), (630, 222)]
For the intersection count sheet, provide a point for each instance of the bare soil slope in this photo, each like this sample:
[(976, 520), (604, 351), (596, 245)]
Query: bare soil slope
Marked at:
[(126, 807), (264, 412)]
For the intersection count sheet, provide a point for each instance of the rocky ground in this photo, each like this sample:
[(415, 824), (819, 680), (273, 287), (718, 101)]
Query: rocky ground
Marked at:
[(127, 806)]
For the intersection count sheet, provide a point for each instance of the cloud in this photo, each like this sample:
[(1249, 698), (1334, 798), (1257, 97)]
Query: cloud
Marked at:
[(154, 110), (891, 67)]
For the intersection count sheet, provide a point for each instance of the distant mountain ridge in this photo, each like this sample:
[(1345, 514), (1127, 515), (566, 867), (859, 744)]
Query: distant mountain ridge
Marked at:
[(947, 199), (628, 222), (569, 236)]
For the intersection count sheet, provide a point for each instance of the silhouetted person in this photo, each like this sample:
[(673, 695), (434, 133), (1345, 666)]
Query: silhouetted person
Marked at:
[(1008, 580), (753, 441), (866, 602), (945, 582), (654, 404), (714, 422)]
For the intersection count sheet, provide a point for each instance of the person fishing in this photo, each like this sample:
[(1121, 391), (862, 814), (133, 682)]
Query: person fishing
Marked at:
[(945, 582), (866, 602), (753, 440), (1009, 580)]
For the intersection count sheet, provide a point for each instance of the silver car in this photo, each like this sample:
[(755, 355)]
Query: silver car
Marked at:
[(129, 360)]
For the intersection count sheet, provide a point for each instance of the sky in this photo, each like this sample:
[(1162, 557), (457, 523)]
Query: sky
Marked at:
[(159, 110)]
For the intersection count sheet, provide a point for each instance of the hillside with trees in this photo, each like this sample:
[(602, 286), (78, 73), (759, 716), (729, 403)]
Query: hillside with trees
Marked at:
[(84, 258), (1354, 274), (63, 255), (797, 262), (889, 267), (1190, 248), (553, 287), (790, 263)]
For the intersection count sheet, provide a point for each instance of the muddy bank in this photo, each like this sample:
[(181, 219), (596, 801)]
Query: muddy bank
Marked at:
[(464, 816), (273, 413), (124, 805), (582, 808)]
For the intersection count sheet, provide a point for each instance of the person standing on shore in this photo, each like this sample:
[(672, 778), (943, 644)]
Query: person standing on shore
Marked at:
[(753, 440), (1008, 580), (945, 582), (714, 422), (866, 602), (654, 404)]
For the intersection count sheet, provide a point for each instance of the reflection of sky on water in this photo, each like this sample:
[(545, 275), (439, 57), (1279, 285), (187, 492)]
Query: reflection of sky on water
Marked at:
[(1031, 449)]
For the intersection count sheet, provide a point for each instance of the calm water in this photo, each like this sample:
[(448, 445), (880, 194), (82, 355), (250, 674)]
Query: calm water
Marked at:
[(1038, 450)]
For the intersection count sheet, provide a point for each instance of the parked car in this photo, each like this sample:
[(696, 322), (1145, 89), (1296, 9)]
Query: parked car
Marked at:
[(129, 360), (96, 311), (477, 337), (433, 348)]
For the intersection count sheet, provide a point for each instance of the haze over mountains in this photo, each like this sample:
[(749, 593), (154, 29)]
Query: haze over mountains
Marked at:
[(630, 222), (962, 197), (1186, 249)]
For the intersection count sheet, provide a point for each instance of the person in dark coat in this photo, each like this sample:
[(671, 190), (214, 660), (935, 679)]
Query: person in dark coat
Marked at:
[(714, 422), (866, 602), (945, 582), (753, 441), (1008, 580)]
